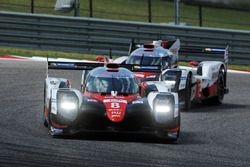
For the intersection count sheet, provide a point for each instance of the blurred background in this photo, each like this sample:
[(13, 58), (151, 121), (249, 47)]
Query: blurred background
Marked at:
[(229, 14)]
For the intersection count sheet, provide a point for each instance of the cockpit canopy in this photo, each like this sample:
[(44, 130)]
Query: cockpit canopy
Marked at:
[(102, 81), (155, 56)]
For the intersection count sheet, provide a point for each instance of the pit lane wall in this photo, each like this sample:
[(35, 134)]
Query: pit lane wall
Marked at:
[(100, 36)]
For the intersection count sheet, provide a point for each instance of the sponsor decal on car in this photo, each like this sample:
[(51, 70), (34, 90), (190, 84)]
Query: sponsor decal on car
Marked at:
[(137, 102)]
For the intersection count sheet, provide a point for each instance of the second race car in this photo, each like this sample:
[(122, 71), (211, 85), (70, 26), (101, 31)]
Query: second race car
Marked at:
[(203, 82)]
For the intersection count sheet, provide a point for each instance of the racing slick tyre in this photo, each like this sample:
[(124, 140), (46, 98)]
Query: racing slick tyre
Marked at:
[(188, 92), (220, 89), (218, 99), (170, 136)]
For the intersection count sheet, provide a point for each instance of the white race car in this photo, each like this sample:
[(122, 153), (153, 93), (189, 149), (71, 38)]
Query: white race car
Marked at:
[(204, 81)]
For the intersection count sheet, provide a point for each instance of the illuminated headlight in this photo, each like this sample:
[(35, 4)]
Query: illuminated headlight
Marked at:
[(164, 104), (68, 105), (68, 110), (162, 108)]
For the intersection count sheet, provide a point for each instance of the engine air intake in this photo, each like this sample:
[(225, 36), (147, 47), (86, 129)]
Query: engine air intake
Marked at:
[(149, 46), (112, 67)]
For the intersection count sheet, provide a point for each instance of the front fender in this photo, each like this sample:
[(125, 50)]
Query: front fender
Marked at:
[(67, 114)]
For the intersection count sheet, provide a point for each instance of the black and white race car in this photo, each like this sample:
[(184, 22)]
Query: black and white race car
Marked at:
[(109, 100)]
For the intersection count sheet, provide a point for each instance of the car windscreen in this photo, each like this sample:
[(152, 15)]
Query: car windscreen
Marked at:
[(124, 85), (172, 75), (143, 60), (141, 57)]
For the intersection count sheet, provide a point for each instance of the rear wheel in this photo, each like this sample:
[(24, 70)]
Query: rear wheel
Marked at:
[(218, 99), (221, 88)]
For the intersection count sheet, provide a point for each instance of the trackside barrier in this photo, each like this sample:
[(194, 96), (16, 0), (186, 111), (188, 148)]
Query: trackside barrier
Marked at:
[(99, 36)]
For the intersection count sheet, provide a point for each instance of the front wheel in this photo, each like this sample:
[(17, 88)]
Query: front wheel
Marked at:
[(170, 135)]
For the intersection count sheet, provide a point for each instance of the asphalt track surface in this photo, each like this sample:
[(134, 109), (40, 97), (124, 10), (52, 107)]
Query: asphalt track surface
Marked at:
[(211, 135)]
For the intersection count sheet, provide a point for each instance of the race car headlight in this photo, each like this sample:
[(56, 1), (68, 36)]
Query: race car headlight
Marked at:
[(164, 103), (67, 106), (162, 108)]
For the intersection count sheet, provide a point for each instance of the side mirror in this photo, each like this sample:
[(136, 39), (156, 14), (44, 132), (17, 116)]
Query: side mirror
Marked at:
[(193, 63), (102, 59)]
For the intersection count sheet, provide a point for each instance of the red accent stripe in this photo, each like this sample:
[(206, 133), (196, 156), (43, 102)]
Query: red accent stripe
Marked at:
[(115, 110), (244, 70), (174, 129), (12, 57), (198, 92), (140, 75), (56, 125), (213, 89)]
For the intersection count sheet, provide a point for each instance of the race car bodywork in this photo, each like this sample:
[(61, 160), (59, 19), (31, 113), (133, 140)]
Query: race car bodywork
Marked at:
[(109, 100), (158, 53), (205, 81)]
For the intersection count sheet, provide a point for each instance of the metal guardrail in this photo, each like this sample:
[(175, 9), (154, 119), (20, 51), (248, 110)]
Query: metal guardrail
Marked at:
[(99, 36)]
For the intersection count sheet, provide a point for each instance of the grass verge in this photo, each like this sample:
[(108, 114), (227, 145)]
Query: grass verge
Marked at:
[(44, 53), (55, 54), (137, 10)]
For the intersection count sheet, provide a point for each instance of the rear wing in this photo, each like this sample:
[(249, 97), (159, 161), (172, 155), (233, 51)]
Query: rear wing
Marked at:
[(63, 65), (207, 51), (58, 65), (173, 45)]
